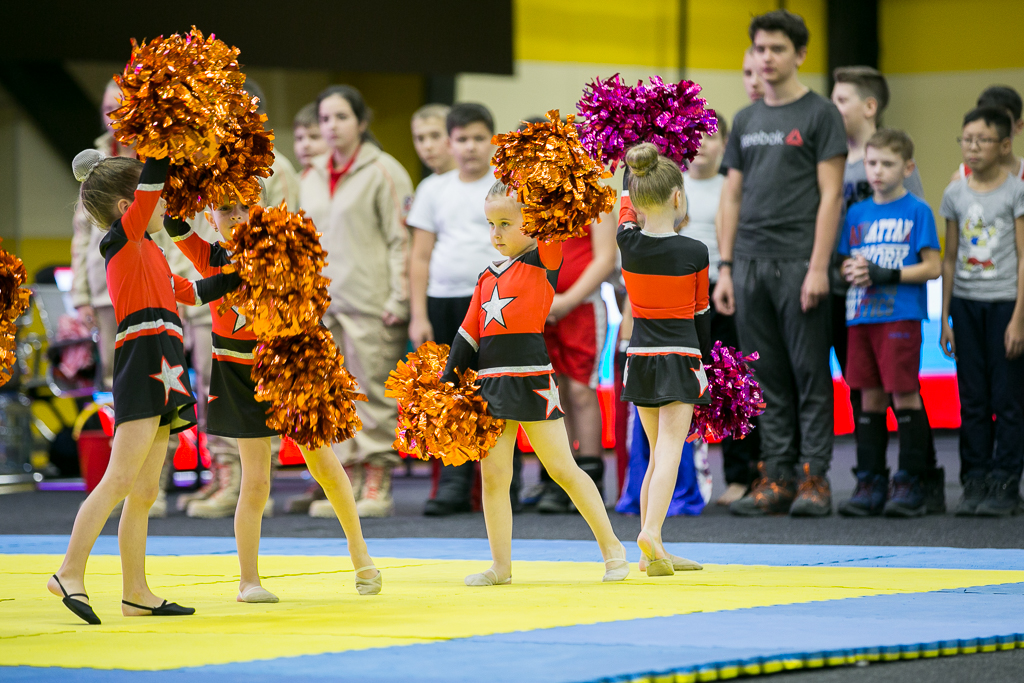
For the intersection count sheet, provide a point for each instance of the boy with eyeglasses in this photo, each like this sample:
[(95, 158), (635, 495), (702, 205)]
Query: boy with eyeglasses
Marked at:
[(983, 293)]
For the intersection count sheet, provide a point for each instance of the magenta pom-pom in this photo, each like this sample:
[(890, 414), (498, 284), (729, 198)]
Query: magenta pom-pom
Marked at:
[(736, 397), (615, 116)]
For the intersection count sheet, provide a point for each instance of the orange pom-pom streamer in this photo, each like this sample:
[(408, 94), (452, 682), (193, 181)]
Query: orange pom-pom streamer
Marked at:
[(310, 391), (555, 179), (230, 176), (179, 96), (183, 97), (439, 419), (14, 300), (278, 255)]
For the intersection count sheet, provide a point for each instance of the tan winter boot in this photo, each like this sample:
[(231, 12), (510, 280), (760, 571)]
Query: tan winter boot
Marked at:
[(320, 507), (300, 504), (377, 500), (223, 502), (204, 492)]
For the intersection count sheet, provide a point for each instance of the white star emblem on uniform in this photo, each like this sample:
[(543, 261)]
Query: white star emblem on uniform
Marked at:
[(493, 307), (239, 319), (702, 378), (170, 377), (550, 395)]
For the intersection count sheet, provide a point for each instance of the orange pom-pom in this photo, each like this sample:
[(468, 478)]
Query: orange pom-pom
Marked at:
[(439, 419), (278, 255), (555, 179), (310, 391), (14, 300), (230, 176), (179, 96)]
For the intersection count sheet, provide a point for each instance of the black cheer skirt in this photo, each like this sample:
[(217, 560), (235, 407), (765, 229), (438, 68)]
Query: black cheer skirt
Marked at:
[(657, 380), (151, 379), (233, 410), (533, 398)]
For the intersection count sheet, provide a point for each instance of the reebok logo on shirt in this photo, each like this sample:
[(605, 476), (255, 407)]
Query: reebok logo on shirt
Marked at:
[(765, 139), (762, 139)]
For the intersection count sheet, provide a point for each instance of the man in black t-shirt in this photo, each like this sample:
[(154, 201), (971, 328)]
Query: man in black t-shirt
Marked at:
[(780, 206)]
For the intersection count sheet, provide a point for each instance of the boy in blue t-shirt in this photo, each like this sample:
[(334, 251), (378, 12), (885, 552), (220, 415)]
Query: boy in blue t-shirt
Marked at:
[(891, 249)]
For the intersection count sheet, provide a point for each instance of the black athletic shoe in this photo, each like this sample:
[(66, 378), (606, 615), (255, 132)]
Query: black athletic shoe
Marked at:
[(869, 497), (934, 483), (907, 498), (452, 491), (1003, 497), (554, 500), (975, 491)]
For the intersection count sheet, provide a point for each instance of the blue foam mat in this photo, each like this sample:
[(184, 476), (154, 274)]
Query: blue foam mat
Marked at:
[(593, 652), (560, 551)]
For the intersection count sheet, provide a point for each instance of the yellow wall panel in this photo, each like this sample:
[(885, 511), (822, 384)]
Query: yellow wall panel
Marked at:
[(717, 32), (918, 36), (639, 32), (39, 253)]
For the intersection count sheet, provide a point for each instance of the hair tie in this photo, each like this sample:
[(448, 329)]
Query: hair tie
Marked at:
[(84, 163)]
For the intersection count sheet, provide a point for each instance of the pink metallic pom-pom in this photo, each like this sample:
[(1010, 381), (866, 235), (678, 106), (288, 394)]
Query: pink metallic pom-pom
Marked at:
[(615, 116), (735, 397)]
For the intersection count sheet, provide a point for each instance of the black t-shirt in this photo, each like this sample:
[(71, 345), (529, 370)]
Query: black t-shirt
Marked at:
[(778, 150)]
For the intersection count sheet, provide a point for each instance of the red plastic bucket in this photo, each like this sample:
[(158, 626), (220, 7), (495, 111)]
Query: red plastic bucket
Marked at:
[(93, 456)]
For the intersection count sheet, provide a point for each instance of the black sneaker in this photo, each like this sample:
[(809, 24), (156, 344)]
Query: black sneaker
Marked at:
[(869, 497), (907, 499), (814, 497), (452, 491), (554, 500), (934, 483), (975, 491), (766, 497), (1003, 498)]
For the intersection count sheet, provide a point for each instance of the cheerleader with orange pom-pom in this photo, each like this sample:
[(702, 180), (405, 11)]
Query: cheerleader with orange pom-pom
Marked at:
[(235, 411), (152, 396), (502, 338)]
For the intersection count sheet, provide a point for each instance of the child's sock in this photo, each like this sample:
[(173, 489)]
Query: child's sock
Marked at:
[(915, 440), (872, 440)]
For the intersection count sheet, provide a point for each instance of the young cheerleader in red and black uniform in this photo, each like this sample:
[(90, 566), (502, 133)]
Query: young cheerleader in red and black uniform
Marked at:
[(502, 337), (234, 412), (152, 395), (666, 277)]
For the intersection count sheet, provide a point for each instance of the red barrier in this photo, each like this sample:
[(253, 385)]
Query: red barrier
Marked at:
[(938, 392)]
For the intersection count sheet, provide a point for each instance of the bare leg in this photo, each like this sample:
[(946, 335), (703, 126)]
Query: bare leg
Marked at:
[(649, 421), (131, 533), (552, 446), (673, 425), (252, 498), (496, 472), (132, 444), (327, 471)]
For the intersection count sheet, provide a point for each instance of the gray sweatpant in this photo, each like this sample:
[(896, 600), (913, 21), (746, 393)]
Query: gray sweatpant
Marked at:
[(793, 367)]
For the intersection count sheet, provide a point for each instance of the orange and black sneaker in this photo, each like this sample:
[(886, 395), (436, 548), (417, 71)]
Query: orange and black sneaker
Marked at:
[(767, 496), (814, 497)]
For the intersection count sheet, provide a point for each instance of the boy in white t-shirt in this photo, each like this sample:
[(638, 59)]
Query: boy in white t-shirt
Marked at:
[(451, 246)]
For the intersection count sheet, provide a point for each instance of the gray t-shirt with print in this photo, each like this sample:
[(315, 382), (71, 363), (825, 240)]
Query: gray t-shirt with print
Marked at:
[(986, 259), (778, 150)]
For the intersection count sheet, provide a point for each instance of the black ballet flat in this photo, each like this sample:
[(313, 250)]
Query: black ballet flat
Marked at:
[(166, 609), (81, 609)]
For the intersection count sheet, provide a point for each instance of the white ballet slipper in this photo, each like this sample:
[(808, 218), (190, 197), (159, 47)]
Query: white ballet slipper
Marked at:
[(617, 568), (679, 564), (488, 577), (369, 586), (256, 594)]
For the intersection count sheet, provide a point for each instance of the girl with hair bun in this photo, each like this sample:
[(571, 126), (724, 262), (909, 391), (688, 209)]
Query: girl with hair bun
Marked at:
[(666, 276), (152, 395)]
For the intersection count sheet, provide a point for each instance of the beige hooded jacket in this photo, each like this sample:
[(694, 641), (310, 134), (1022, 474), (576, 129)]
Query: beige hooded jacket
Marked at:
[(364, 232)]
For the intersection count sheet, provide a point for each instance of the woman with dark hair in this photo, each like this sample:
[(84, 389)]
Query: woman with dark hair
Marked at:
[(358, 197)]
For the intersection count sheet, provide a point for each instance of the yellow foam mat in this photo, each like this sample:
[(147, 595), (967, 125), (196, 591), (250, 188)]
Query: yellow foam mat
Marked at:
[(422, 601)]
